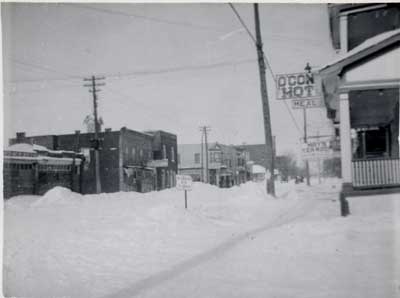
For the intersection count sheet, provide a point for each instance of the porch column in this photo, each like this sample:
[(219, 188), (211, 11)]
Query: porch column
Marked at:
[(345, 138), (398, 123), (343, 33)]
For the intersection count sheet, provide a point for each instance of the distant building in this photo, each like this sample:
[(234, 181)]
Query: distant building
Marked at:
[(257, 153), (226, 163), (284, 165), (129, 160), (33, 169)]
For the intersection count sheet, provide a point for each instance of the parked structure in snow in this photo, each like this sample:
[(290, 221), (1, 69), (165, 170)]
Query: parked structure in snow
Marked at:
[(257, 173), (226, 163), (33, 169), (361, 91), (129, 160)]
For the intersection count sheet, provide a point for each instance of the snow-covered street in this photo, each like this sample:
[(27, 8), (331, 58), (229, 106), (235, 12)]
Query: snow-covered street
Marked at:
[(235, 242)]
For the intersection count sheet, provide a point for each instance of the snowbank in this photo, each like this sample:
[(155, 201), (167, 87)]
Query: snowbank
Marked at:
[(67, 245), (57, 196)]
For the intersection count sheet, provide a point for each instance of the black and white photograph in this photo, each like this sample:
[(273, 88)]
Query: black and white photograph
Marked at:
[(200, 149)]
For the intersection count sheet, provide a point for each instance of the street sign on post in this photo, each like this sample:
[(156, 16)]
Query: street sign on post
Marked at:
[(317, 149), (184, 182)]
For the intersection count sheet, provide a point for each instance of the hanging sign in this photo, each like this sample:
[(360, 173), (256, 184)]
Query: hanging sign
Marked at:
[(296, 86)]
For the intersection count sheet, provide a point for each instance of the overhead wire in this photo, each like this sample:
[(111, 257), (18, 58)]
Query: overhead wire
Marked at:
[(144, 72), (266, 60), (153, 19)]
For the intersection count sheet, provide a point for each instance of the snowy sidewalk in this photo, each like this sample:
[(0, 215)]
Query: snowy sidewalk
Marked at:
[(303, 253)]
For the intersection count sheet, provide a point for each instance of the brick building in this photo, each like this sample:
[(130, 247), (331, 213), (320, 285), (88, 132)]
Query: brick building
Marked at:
[(129, 160)]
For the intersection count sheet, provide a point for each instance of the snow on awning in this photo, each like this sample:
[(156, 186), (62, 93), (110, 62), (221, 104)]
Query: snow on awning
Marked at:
[(368, 47)]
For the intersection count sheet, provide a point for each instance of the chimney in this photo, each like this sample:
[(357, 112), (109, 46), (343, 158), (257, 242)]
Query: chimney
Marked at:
[(77, 132), (21, 135), (108, 130)]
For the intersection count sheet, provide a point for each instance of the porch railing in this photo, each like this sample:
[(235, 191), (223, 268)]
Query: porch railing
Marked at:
[(376, 172)]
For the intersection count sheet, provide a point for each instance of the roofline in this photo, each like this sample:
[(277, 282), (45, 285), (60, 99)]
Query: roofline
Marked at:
[(341, 64)]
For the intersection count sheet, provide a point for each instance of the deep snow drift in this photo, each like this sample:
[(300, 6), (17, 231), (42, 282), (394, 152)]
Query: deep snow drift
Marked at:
[(67, 245)]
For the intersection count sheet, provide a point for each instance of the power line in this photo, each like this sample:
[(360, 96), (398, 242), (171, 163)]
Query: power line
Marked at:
[(266, 61), (153, 19), (243, 23), (48, 69), (150, 72)]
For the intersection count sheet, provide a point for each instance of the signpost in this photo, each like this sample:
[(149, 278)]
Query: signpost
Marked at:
[(184, 182)]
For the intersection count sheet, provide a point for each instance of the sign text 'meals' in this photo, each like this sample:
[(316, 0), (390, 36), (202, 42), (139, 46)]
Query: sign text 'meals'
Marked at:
[(307, 103)]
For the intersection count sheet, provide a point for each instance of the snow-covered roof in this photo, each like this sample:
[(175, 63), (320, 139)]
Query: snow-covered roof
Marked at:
[(365, 47), (21, 147)]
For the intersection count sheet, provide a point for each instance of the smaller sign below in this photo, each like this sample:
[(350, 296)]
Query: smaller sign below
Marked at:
[(307, 103), (184, 182), (318, 149)]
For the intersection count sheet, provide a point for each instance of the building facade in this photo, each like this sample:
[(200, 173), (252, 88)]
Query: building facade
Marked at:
[(361, 92), (129, 160), (33, 169), (226, 163)]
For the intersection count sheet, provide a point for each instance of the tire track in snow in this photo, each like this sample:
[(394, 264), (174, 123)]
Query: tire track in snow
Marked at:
[(299, 210)]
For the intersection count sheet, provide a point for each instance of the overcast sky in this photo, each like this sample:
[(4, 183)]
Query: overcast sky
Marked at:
[(167, 66)]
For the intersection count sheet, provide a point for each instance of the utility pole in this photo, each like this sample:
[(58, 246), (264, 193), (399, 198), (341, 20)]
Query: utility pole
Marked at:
[(96, 141), (205, 130), (202, 157), (265, 103), (309, 75)]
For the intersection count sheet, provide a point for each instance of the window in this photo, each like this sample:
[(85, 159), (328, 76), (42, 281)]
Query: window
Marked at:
[(215, 156), (197, 158), (366, 24), (375, 143), (172, 154), (179, 158), (141, 153), (164, 151), (133, 152), (372, 143)]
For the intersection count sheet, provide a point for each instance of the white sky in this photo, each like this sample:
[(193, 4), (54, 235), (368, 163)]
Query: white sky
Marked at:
[(159, 50)]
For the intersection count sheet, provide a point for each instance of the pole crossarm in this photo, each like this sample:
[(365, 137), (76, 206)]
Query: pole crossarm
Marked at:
[(93, 89)]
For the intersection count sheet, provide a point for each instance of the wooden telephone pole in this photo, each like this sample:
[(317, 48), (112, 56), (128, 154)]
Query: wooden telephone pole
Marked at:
[(309, 77), (265, 103), (96, 141), (205, 130)]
